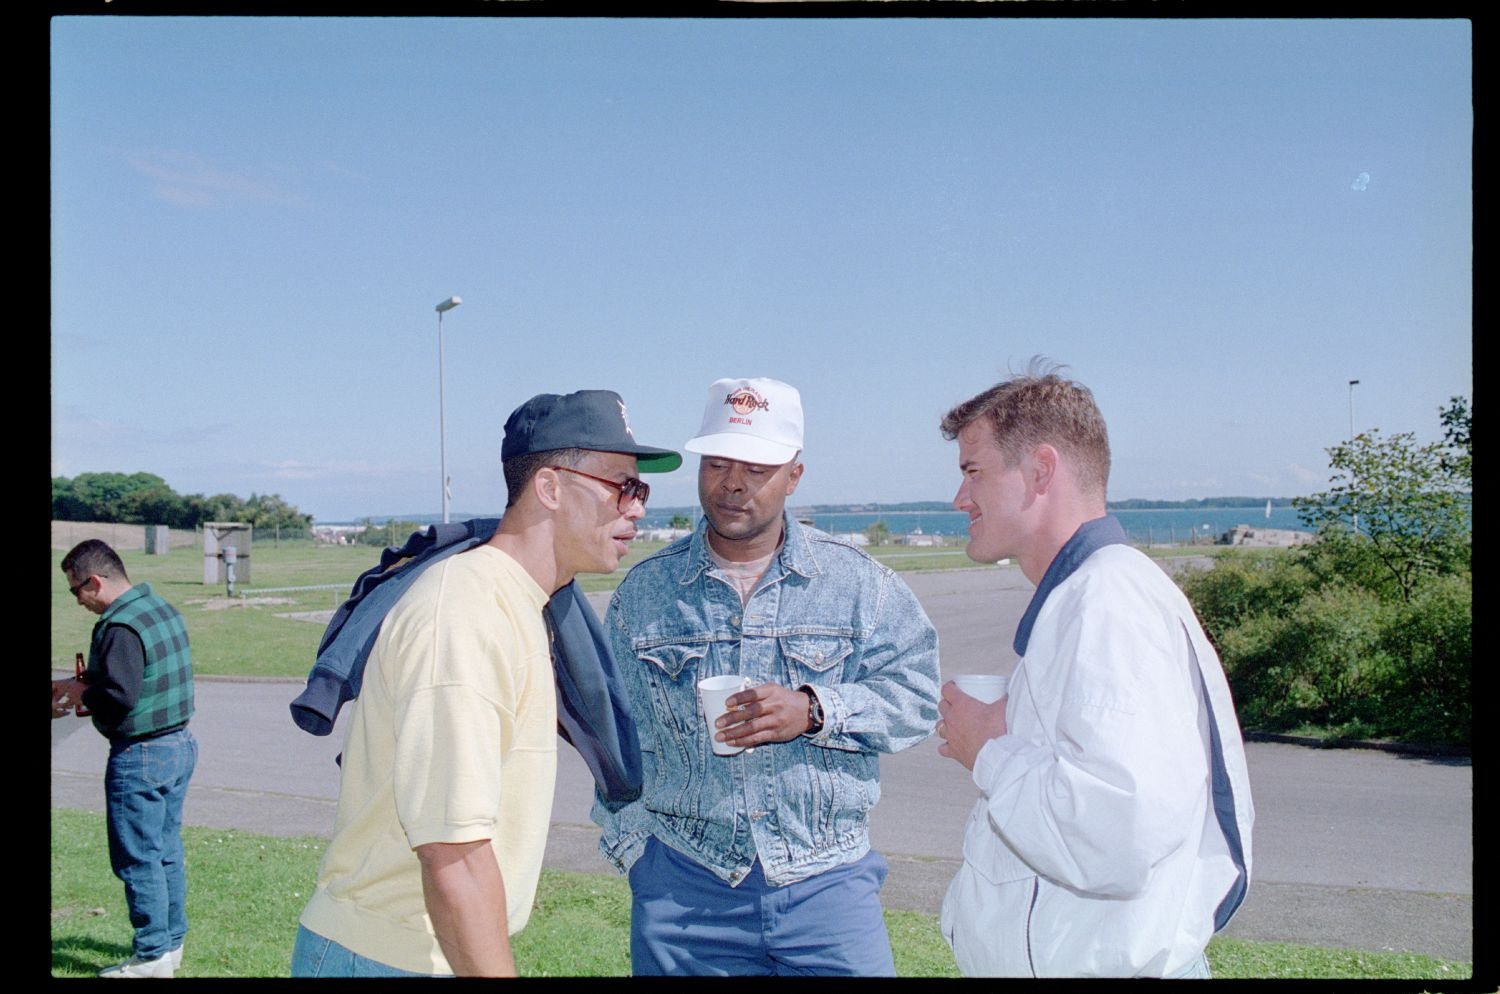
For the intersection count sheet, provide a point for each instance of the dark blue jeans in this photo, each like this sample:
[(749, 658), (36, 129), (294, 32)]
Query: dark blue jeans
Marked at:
[(685, 920), (144, 787)]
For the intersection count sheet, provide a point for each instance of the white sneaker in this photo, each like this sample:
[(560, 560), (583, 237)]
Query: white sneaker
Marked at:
[(160, 968), (176, 957)]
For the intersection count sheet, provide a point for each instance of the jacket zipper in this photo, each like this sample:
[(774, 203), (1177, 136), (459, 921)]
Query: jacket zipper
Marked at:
[(1030, 910)]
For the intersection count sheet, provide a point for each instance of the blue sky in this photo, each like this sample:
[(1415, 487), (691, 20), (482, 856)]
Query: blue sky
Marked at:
[(254, 218)]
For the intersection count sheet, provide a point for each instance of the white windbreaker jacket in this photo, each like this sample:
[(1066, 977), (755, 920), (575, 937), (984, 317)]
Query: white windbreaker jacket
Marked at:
[(1112, 837)]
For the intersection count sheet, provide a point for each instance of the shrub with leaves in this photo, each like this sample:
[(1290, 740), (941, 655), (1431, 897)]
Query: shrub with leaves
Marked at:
[(1368, 631)]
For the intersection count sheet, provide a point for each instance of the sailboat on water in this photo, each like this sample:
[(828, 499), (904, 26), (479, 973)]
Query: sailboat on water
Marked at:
[(1268, 510)]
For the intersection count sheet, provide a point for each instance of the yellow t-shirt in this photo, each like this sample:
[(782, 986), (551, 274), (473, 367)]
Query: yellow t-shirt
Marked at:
[(453, 738)]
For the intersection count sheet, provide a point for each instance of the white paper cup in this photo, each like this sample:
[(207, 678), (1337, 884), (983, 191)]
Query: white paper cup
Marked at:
[(712, 691), (986, 687)]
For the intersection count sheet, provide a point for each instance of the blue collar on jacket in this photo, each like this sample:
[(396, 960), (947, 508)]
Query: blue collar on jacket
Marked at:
[(795, 553), (1090, 537)]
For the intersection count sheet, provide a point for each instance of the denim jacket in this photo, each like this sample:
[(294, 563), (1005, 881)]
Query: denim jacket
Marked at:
[(825, 615)]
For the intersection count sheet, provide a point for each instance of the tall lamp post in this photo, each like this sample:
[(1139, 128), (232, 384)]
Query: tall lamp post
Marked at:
[(446, 305), (1352, 385)]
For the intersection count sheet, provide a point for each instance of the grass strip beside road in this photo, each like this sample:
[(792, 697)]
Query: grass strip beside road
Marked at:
[(246, 892), (260, 635)]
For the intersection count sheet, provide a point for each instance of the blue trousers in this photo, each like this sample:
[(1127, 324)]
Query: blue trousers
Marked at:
[(684, 920), (145, 784), (315, 956)]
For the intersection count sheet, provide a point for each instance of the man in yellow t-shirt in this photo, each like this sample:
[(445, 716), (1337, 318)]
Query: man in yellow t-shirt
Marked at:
[(451, 755)]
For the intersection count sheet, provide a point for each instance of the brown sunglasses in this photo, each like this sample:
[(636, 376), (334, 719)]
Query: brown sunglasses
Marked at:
[(630, 489)]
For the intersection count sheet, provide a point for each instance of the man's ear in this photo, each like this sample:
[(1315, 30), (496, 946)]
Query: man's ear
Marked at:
[(1043, 468), (792, 478), (547, 485)]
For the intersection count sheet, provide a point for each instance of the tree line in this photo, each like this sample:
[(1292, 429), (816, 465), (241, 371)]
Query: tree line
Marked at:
[(146, 499)]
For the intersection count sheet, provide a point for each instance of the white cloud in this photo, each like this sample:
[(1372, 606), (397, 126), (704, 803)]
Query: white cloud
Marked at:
[(185, 198), (296, 469), (187, 180), (1307, 477)]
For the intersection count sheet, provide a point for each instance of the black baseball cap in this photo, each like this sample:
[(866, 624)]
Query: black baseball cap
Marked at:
[(586, 419)]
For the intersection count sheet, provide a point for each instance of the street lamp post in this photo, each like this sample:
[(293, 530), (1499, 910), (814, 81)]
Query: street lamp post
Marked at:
[(1352, 385), (446, 305)]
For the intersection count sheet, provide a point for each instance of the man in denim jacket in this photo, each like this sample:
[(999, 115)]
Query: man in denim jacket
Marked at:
[(760, 862)]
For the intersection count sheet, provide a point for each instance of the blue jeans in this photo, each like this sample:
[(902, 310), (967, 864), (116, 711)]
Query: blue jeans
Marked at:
[(145, 783), (315, 956), (685, 920)]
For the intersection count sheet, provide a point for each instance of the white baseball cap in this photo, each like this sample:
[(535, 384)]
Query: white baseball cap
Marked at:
[(754, 420)]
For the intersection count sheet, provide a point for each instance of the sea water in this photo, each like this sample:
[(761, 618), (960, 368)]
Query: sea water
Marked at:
[(1163, 526)]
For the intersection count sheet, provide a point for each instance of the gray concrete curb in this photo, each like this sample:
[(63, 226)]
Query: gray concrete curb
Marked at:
[(1403, 748)]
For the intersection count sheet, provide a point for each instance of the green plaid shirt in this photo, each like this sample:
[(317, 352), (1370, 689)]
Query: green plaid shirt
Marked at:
[(167, 685)]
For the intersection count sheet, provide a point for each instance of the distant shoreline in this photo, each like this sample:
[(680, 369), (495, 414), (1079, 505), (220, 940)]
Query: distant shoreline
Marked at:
[(1132, 504)]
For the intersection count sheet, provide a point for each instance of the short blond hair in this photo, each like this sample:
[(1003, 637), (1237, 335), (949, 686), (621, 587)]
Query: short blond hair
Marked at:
[(1040, 406)]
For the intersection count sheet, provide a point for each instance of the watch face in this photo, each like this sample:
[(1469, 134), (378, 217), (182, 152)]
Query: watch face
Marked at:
[(814, 710)]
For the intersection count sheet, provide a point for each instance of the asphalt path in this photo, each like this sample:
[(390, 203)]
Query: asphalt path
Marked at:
[(1353, 848)]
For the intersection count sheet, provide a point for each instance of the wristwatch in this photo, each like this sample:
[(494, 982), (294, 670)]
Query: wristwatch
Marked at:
[(814, 711)]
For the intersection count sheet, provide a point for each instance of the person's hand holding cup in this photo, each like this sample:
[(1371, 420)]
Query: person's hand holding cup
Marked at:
[(973, 712), (712, 692)]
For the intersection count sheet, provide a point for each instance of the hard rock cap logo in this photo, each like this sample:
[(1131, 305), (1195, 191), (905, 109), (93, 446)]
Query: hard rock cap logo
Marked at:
[(745, 400), (625, 420)]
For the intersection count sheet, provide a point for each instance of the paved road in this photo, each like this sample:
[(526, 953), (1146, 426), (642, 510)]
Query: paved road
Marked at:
[(1353, 848)]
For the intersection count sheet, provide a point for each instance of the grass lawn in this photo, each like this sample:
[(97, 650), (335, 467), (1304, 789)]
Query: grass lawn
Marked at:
[(254, 633), (246, 891)]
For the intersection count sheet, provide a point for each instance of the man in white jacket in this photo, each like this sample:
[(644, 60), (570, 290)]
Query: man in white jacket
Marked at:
[(1112, 835)]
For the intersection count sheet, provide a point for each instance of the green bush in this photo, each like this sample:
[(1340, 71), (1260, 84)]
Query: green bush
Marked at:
[(1341, 657), (1368, 631), (1340, 558), (1314, 663), (1428, 697), (1239, 587)]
